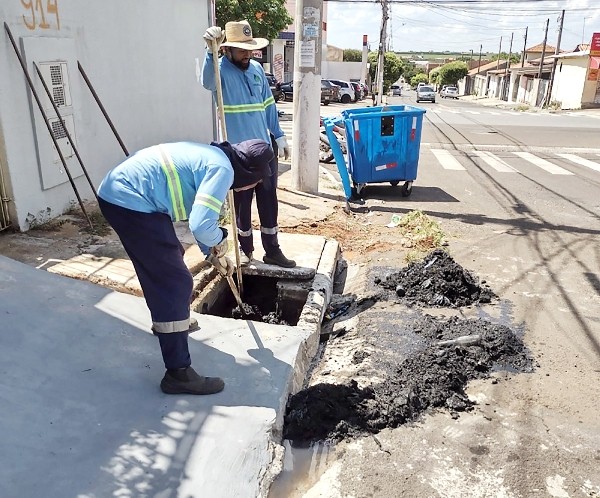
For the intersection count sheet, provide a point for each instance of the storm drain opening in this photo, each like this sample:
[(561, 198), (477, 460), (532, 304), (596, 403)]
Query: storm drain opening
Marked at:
[(268, 300)]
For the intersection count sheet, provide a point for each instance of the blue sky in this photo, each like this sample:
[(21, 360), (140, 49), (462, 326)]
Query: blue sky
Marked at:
[(463, 27)]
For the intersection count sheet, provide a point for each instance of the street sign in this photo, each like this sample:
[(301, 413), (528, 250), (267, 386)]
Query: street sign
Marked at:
[(595, 45)]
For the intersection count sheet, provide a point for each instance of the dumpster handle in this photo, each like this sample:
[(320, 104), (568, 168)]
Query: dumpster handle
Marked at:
[(339, 156)]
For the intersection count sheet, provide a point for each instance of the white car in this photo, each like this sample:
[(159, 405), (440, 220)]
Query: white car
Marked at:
[(346, 91), (449, 92)]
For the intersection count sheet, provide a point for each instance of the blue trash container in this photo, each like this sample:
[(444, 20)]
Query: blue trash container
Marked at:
[(383, 146)]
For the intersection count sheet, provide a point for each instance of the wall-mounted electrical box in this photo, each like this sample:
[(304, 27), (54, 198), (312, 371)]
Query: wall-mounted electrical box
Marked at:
[(55, 58)]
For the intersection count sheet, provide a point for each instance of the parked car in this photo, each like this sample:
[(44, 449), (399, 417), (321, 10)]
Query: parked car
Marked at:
[(358, 91), (449, 92), (425, 93), (275, 87), (287, 90), (346, 91), (328, 93), (334, 91), (396, 90)]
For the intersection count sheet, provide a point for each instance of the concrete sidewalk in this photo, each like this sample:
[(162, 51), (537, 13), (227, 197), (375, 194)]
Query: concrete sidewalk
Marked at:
[(83, 413)]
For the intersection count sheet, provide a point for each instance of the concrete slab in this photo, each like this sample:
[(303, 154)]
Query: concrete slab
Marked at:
[(83, 414), (304, 249)]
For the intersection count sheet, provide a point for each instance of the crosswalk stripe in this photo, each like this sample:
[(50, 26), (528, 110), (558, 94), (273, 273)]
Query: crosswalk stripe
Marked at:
[(447, 160), (581, 160), (473, 112), (542, 163), (495, 113), (494, 161)]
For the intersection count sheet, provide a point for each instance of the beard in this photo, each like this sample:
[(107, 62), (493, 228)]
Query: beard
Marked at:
[(241, 64)]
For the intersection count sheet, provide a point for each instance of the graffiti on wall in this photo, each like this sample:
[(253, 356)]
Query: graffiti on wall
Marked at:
[(41, 14), (278, 67)]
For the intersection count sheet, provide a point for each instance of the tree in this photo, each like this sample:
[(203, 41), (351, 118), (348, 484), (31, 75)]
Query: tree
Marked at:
[(267, 17), (419, 78), (514, 58), (352, 55), (452, 72), (393, 67), (434, 75)]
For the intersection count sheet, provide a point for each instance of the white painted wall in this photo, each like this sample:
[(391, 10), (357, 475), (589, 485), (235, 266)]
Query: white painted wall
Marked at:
[(143, 58), (344, 71), (569, 80)]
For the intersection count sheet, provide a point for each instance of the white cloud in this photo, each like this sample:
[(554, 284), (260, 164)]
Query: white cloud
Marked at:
[(463, 27)]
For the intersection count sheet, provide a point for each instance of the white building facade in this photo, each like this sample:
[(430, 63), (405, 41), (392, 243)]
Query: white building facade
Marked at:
[(143, 61)]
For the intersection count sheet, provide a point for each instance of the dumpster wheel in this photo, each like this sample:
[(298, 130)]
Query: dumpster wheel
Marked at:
[(406, 189)]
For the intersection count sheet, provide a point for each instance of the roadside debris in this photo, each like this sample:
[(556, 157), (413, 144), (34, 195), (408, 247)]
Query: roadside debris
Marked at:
[(437, 280), (452, 353)]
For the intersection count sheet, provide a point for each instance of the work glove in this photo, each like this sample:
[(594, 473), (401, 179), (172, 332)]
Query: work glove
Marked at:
[(221, 248), (214, 33), (224, 265), (283, 147)]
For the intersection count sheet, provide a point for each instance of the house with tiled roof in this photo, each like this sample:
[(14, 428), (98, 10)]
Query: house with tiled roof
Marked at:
[(576, 80)]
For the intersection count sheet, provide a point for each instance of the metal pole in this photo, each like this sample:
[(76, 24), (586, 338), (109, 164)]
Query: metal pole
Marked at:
[(381, 55), (543, 50), (555, 61), (506, 68), (230, 198), (524, 48), (54, 106), (39, 103), (97, 99), (499, 51)]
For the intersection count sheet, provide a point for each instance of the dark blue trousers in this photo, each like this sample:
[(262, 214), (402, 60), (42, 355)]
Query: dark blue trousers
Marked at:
[(267, 206), (157, 256)]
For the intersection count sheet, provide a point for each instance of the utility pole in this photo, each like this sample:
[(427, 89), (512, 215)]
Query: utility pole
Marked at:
[(543, 49), (506, 67), (365, 58), (554, 62), (524, 48), (499, 51), (308, 49), (479, 63), (381, 55)]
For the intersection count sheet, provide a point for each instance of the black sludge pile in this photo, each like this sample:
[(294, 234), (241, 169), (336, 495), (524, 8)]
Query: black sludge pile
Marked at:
[(433, 378), (437, 280)]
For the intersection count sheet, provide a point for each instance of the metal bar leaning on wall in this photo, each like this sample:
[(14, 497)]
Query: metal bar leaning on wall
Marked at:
[(98, 101), (230, 198), (41, 108), (54, 106)]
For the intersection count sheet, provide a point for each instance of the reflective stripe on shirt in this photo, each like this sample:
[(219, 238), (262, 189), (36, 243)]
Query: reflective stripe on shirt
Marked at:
[(174, 184), (231, 109), (209, 201)]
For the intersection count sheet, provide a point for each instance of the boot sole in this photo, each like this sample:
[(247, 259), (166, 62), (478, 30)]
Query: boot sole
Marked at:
[(168, 388), (274, 262)]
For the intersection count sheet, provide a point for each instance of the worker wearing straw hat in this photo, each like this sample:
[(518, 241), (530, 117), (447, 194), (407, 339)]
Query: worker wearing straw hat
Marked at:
[(250, 113)]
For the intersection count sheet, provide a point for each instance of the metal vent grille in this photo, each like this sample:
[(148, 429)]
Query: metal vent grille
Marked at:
[(58, 129), (58, 94), (56, 75)]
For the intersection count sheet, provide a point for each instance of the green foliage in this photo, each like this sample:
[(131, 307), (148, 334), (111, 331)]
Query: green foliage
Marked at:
[(419, 78), (411, 69), (514, 58), (450, 73), (393, 67), (267, 17), (434, 75), (352, 55)]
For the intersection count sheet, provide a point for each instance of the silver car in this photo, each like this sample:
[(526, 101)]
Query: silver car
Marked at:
[(425, 93)]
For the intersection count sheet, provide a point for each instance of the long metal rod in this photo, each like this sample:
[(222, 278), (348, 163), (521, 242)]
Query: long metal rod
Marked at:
[(98, 101), (230, 198), (39, 103), (54, 106)]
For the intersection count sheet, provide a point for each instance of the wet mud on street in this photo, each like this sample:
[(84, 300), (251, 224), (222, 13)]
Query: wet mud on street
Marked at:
[(404, 362)]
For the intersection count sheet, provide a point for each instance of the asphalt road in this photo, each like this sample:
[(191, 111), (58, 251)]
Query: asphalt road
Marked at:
[(518, 194)]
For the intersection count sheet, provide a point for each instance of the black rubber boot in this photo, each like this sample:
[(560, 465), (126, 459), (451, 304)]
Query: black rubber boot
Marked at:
[(187, 381), (276, 257)]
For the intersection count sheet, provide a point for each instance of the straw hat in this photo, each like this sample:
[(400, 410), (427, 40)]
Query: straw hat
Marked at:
[(239, 35)]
